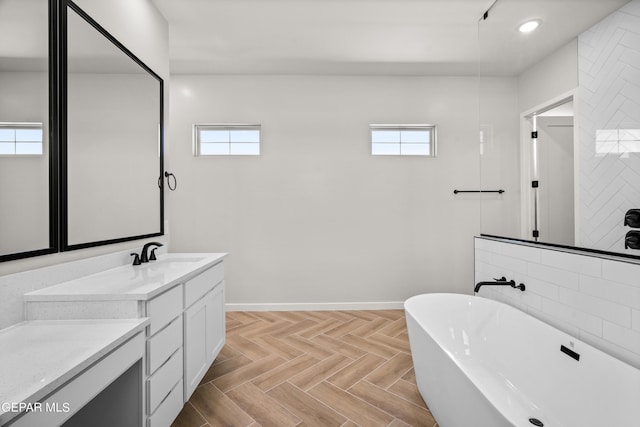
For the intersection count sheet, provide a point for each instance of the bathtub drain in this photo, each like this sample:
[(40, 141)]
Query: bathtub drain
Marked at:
[(536, 422)]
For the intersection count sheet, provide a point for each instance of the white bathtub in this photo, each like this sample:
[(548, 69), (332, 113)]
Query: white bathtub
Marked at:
[(482, 363)]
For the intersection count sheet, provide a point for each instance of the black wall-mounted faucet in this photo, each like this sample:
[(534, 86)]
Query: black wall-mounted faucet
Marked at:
[(499, 282), (144, 255)]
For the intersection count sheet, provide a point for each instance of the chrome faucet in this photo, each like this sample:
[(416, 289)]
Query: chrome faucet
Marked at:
[(144, 255)]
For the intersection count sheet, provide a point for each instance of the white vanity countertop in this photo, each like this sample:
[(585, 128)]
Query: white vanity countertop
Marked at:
[(130, 282), (37, 357)]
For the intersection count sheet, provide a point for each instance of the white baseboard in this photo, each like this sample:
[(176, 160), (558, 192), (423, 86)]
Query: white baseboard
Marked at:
[(316, 306)]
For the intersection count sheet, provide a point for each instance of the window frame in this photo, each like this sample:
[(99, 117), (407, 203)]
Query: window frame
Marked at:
[(430, 128), (197, 128), (27, 126)]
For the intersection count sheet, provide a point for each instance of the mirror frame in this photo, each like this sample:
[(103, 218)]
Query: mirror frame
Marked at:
[(53, 140), (65, 7)]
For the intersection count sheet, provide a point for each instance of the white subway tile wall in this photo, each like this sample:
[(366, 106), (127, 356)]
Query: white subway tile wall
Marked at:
[(592, 298)]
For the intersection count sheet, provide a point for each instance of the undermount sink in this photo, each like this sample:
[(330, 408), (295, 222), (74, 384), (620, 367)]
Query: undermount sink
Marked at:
[(178, 259)]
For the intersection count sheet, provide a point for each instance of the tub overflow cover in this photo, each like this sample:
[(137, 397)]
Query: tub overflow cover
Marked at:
[(536, 422)]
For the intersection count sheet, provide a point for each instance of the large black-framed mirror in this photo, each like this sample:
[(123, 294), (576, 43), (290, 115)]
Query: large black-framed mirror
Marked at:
[(112, 139), (559, 124), (28, 129)]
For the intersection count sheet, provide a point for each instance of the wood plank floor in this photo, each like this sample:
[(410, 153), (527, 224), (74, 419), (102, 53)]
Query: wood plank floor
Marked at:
[(320, 368)]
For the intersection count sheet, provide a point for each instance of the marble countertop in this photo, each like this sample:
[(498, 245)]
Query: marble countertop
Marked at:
[(130, 282), (37, 357)]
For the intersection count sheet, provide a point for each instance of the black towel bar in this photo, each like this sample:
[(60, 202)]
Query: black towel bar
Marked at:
[(478, 191)]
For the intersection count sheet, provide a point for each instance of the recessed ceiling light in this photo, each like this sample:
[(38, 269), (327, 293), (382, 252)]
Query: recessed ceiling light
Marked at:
[(529, 26)]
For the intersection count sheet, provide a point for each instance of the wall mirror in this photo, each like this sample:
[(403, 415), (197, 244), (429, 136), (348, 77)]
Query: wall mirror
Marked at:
[(28, 154), (112, 147), (567, 154)]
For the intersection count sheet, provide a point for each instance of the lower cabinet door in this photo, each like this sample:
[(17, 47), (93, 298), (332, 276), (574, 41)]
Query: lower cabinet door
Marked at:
[(195, 346), (215, 322)]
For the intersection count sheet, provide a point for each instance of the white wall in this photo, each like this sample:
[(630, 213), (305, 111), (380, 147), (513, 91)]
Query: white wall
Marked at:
[(112, 169), (316, 218), (553, 76), (592, 298), (24, 192), (500, 155)]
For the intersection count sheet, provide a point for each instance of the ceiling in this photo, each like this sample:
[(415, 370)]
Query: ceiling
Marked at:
[(369, 37)]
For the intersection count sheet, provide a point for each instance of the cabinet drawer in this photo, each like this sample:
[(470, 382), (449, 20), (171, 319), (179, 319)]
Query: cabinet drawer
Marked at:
[(168, 409), (160, 383), (197, 287), (164, 308), (164, 344)]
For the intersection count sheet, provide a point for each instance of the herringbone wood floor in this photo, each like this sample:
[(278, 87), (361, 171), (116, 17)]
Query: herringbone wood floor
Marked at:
[(321, 368)]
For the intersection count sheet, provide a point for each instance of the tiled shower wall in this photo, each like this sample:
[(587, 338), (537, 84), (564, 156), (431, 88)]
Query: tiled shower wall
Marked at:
[(593, 298)]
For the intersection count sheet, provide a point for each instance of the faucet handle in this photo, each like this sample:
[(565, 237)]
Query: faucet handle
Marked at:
[(502, 279), (136, 258), (152, 257)]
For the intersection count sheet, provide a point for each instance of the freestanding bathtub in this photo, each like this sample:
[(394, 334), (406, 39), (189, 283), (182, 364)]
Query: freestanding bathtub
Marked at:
[(482, 363)]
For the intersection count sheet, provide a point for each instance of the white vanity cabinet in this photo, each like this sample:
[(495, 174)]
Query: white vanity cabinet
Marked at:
[(183, 297), (186, 333), (204, 325)]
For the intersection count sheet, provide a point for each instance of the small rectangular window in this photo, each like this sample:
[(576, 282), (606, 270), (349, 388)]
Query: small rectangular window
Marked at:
[(403, 140), (21, 139), (227, 140)]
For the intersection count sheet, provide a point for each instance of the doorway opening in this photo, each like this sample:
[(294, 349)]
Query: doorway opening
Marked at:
[(548, 173)]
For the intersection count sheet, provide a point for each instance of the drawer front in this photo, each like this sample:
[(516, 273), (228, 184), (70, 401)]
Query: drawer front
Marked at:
[(163, 345), (197, 287), (160, 383), (168, 409), (164, 308)]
